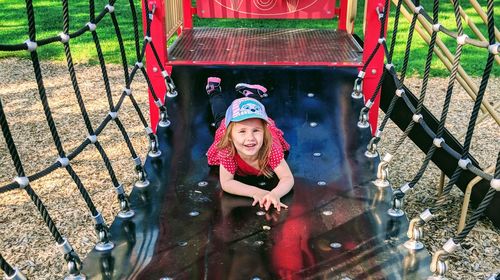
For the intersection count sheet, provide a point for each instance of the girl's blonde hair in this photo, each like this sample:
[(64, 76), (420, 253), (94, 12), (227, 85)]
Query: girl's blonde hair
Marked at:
[(263, 154)]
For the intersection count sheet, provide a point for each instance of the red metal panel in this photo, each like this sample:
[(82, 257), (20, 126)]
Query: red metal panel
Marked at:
[(158, 34), (374, 70), (284, 9)]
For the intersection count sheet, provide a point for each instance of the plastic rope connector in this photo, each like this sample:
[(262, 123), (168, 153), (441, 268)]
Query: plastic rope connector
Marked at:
[(31, 45), (139, 64), (119, 190), (400, 92), (65, 247), (158, 103), (148, 38), (426, 215), (416, 118), (389, 66), (494, 49), (92, 138), (361, 74), (110, 8), (98, 219), (148, 130), (22, 181), (369, 104), (91, 26), (164, 73), (450, 246), (418, 9), (461, 39), (137, 161), (463, 163), (435, 27), (64, 37), (113, 115), (438, 142), (495, 184), (63, 161), (381, 40), (127, 91), (378, 133), (405, 188)]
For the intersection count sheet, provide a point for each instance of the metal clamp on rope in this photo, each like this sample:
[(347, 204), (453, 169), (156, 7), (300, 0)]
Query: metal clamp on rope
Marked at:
[(450, 246), (91, 26), (399, 92), (18, 275), (119, 189), (461, 39), (405, 188), (418, 9), (22, 181), (148, 130), (361, 74), (110, 8), (139, 64), (463, 163), (113, 115), (416, 118), (137, 161), (63, 161), (387, 158), (436, 27), (378, 133), (148, 39), (438, 142), (127, 91), (158, 103), (65, 247), (494, 49), (495, 184), (31, 45), (64, 37), (98, 219), (426, 215)]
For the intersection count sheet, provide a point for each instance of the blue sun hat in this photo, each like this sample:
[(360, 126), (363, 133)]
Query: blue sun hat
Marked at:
[(245, 108)]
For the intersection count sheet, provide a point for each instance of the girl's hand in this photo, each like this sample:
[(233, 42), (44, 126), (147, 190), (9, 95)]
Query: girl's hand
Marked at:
[(271, 198), (259, 198)]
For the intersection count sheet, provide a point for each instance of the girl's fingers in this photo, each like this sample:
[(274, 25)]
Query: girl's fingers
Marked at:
[(283, 205), (255, 200)]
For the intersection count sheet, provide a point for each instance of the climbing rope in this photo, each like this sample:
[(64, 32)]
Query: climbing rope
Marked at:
[(64, 160)]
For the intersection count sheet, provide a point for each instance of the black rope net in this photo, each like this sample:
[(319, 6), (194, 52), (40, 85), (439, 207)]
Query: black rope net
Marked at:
[(491, 47), (115, 95)]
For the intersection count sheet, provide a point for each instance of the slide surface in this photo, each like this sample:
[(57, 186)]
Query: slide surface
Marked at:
[(336, 226)]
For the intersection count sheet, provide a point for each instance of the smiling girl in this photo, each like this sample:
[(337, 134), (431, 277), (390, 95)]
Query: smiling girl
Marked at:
[(248, 143)]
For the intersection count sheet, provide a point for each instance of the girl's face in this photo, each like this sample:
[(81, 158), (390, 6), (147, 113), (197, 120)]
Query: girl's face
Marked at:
[(247, 137)]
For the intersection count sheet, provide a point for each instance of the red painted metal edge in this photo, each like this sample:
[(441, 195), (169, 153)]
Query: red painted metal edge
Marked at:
[(259, 63), (158, 35), (375, 69)]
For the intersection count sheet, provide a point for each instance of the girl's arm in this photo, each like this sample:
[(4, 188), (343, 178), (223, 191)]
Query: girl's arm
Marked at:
[(285, 184), (286, 179), (230, 185)]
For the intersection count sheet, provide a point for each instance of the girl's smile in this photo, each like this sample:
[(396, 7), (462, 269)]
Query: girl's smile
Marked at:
[(247, 137)]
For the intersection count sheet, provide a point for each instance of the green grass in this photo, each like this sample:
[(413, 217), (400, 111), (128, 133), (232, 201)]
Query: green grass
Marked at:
[(48, 15)]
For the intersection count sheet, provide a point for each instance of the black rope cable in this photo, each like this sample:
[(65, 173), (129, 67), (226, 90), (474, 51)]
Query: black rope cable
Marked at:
[(122, 48), (6, 267), (20, 173), (376, 139), (425, 80), (136, 27), (127, 139), (479, 212), (475, 111), (449, 93)]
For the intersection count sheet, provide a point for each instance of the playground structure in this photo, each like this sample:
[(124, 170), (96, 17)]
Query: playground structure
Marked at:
[(146, 243)]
